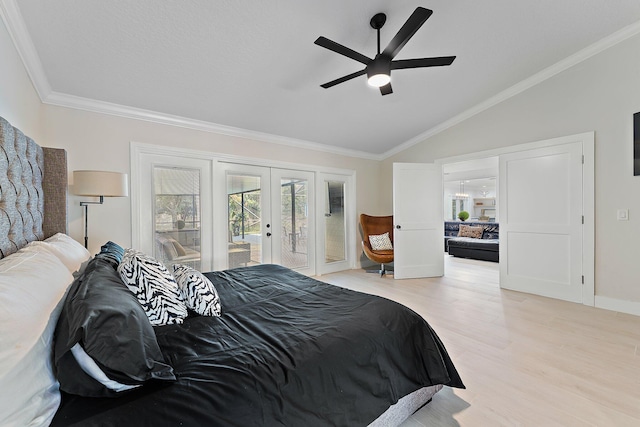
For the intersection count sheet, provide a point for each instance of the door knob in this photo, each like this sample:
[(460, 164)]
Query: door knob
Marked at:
[(398, 227), (268, 234)]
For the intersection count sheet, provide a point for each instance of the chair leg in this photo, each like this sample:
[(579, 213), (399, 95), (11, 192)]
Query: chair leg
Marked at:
[(382, 271)]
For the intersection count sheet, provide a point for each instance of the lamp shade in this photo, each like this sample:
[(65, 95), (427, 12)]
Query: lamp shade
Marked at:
[(100, 183)]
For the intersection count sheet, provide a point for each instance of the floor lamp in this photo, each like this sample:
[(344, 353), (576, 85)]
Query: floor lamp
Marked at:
[(98, 184)]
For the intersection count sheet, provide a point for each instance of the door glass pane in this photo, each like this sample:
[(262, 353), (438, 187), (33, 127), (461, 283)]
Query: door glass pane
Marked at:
[(294, 213), (244, 220), (177, 216), (334, 221)]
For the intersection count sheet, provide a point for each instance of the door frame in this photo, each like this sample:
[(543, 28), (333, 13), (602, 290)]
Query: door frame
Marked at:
[(142, 201), (137, 150), (588, 195)]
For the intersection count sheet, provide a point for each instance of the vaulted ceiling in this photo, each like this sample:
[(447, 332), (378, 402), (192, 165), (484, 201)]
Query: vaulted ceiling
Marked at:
[(251, 67)]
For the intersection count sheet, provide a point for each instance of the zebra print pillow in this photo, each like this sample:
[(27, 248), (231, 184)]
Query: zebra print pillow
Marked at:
[(154, 287), (197, 291)]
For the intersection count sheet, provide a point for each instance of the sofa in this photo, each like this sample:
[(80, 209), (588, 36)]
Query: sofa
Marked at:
[(478, 240), (239, 254), (169, 251)]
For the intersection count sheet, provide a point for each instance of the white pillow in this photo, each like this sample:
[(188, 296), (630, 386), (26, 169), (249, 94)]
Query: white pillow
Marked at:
[(29, 392), (33, 283), (91, 368), (71, 253), (380, 242)]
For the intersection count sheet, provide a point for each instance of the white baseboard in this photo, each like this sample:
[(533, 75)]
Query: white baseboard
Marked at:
[(622, 306)]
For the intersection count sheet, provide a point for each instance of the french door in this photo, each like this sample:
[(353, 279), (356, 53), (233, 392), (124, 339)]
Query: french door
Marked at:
[(245, 219), (333, 226), (268, 217), (171, 210), (293, 219)]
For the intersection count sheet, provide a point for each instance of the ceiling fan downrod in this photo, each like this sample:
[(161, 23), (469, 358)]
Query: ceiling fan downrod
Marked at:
[(376, 23)]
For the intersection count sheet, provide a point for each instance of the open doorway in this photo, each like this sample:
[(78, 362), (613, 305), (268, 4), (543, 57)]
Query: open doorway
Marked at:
[(545, 215), (471, 214)]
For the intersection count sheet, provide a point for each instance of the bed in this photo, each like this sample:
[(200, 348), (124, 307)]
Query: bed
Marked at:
[(285, 350)]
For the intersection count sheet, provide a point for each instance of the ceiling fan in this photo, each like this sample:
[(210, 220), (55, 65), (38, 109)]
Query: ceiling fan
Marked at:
[(378, 69)]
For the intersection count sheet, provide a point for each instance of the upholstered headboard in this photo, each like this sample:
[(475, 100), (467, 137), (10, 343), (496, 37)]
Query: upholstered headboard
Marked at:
[(33, 190)]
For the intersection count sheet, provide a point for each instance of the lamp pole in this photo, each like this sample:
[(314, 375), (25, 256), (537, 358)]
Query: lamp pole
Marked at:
[(86, 219)]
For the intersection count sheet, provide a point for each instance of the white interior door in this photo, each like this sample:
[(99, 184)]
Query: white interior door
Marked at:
[(418, 220), (541, 215)]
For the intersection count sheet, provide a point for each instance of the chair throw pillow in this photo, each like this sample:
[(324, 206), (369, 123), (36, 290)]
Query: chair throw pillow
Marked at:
[(197, 291), (154, 286), (380, 242), (469, 231)]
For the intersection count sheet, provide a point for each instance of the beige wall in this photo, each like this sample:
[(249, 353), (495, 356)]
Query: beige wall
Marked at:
[(100, 141), (19, 102), (600, 94)]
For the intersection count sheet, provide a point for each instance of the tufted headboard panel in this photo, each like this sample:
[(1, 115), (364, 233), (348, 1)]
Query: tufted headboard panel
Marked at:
[(23, 201), (55, 187)]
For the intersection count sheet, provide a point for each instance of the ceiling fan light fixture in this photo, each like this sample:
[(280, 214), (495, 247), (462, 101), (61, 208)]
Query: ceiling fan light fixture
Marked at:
[(379, 80), (379, 72)]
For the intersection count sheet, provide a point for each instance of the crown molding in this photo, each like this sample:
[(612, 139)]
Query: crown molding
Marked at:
[(86, 104), (582, 55), (12, 18)]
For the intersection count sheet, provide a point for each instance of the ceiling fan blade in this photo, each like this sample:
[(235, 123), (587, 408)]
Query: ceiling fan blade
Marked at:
[(422, 62), (342, 50), (386, 89), (344, 79), (413, 24)]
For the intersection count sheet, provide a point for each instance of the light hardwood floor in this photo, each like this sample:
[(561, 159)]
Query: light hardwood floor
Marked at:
[(526, 360)]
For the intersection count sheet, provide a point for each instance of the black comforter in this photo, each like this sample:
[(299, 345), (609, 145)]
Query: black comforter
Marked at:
[(288, 351)]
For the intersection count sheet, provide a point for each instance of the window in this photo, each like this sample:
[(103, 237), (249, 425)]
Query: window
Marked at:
[(177, 215)]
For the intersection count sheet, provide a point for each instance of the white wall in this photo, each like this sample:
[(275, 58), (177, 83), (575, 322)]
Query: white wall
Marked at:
[(100, 141), (600, 94)]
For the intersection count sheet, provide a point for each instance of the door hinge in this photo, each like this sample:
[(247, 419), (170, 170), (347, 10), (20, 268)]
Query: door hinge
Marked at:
[(583, 159), (583, 219), (583, 280)]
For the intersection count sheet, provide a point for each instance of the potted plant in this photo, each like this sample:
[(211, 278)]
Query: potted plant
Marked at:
[(463, 215)]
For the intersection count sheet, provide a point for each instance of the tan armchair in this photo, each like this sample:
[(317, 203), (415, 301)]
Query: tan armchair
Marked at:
[(376, 225)]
